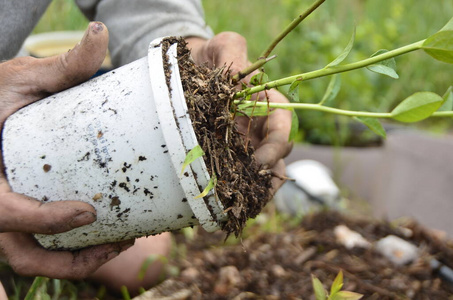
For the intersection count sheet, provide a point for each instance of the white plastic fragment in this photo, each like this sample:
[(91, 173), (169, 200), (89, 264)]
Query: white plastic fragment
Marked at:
[(397, 250), (350, 239), (312, 188)]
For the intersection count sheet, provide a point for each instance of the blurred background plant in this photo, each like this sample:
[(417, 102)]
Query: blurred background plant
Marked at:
[(316, 42)]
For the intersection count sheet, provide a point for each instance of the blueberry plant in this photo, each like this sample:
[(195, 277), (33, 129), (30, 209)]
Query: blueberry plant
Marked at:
[(414, 108)]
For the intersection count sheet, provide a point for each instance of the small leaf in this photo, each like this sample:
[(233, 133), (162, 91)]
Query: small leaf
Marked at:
[(191, 156), (332, 89), (440, 46), (337, 284), (346, 295), (320, 292), (448, 100), (448, 26), (373, 124), (293, 92), (417, 107), (345, 52), (147, 263), (294, 125), (211, 184), (259, 78), (385, 67)]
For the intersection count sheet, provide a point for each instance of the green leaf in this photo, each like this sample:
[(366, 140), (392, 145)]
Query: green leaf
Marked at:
[(346, 295), (345, 52), (440, 46), (294, 125), (332, 89), (337, 284), (293, 92), (385, 67), (259, 78), (320, 292), (373, 124), (448, 100), (417, 107), (193, 154), (448, 26), (36, 285), (211, 184), (147, 263)]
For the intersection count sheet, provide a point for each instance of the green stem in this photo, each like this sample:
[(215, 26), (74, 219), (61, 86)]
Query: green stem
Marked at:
[(291, 27), (330, 70), (263, 57), (317, 107), (37, 283), (442, 114)]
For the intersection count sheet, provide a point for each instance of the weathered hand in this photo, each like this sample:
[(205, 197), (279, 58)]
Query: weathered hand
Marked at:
[(23, 81), (269, 135)]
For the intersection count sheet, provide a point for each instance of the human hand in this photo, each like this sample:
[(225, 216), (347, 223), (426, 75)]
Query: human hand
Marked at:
[(23, 81), (269, 135)]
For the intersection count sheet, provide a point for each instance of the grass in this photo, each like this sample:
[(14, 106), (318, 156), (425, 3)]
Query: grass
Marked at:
[(312, 45)]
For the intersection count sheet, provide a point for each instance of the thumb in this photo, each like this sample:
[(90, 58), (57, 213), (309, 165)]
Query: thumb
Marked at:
[(75, 66), (24, 80), (19, 213)]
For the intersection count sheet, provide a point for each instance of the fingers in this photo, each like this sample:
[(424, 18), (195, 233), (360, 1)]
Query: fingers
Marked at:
[(28, 258), (275, 134), (26, 79), (279, 173), (225, 48), (19, 213)]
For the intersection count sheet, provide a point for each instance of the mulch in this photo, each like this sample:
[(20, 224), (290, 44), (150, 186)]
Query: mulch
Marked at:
[(271, 265)]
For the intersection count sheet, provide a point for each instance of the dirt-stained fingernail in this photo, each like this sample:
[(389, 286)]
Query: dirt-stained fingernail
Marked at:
[(96, 27), (83, 218)]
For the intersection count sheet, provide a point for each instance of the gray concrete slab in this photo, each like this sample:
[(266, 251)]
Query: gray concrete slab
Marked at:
[(410, 175)]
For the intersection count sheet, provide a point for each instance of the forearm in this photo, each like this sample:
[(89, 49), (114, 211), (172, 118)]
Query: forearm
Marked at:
[(134, 24)]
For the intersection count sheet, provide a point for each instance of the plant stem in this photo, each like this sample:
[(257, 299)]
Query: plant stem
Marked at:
[(330, 70), (310, 106), (263, 57), (442, 114), (291, 27), (37, 283)]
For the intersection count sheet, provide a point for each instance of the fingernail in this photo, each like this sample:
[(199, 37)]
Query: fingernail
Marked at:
[(83, 218), (96, 27)]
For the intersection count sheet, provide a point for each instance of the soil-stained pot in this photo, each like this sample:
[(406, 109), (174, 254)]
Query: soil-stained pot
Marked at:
[(117, 142)]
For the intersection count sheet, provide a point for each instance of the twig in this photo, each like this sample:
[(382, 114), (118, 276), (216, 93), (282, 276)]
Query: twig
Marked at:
[(264, 57)]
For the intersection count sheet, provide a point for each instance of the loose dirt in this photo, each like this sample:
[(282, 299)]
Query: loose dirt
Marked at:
[(279, 265)]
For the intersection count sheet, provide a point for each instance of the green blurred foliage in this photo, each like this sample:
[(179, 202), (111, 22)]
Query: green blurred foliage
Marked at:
[(61, 15), (317, 41), (324, 34)]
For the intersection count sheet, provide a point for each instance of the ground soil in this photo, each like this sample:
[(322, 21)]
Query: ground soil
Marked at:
[(242, 185), (279, 265)]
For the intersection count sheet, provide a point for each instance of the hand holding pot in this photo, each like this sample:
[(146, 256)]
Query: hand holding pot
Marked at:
[(269, 135), (23, 81)]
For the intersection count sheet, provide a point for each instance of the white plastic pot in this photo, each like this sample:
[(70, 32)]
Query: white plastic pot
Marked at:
[(117, 142)]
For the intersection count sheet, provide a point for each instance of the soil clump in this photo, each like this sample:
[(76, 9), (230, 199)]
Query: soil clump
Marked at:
[(240, 185)]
